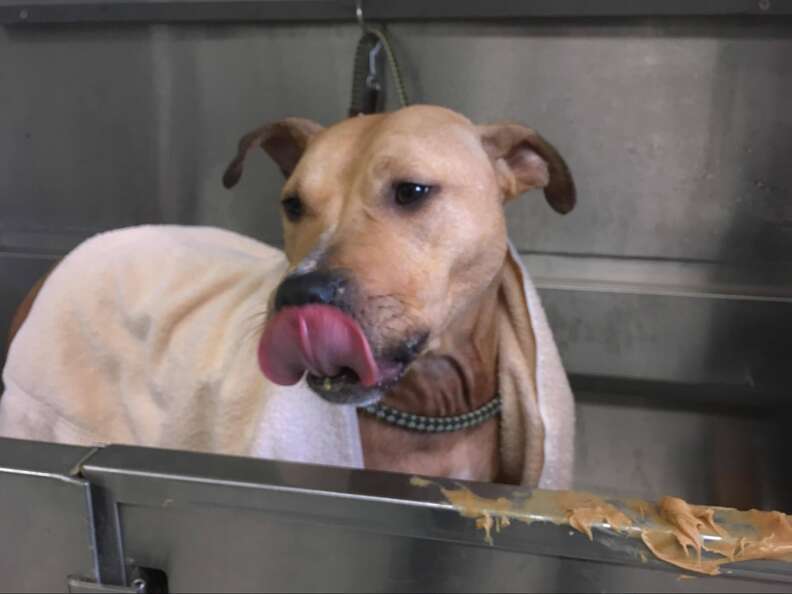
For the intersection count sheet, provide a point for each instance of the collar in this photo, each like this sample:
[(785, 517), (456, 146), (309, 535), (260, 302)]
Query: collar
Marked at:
[(411, 422)]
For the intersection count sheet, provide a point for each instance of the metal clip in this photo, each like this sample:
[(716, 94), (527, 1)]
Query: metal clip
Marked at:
[(372, 80)]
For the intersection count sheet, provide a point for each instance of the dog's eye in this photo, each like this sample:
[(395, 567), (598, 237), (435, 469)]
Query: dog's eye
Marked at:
[(292, 207), (409, 193)]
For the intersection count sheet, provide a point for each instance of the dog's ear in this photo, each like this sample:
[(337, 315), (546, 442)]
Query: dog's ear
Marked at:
[(284, 141), (523, 160)]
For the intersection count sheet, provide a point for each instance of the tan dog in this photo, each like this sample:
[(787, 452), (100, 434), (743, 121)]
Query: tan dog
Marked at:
[(398, 220), (400, 281)]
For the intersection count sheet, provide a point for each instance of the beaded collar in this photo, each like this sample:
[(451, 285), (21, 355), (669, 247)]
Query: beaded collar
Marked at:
[(412, 422)]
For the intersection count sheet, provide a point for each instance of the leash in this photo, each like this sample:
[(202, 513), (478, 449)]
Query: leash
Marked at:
[(411, 422), (368, 94)]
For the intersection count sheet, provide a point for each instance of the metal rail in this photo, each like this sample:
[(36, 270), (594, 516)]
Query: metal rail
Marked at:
[(273, 11), (219, 523)]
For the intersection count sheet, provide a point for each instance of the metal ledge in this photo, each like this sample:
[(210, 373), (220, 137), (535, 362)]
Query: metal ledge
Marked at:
[(235, 524), (365, 502), (218, 11)]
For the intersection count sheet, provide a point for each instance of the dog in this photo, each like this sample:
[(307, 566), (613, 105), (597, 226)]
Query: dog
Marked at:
[(397, 249)]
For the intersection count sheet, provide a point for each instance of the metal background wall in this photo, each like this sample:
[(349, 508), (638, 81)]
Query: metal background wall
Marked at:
[(671, 278)]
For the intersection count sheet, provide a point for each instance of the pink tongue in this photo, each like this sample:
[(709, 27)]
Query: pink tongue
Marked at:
[(318, 338)]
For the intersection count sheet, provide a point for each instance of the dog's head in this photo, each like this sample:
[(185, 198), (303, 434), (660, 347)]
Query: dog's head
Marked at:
[(394, 227)]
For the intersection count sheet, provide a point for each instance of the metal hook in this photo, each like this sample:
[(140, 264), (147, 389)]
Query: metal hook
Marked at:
[(359, 14)]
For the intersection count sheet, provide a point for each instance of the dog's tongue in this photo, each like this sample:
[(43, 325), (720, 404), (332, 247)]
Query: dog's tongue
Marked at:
[(317, 338)]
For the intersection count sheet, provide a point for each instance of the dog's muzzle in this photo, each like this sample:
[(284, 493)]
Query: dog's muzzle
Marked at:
[(312, 334)]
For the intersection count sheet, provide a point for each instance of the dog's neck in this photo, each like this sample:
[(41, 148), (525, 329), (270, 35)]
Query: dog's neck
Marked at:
[(458, 374)]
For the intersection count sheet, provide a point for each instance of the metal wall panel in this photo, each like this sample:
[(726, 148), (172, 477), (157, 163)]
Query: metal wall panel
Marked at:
[(45, 518), (110, 127), (631, 448), (739, 346), (678, 133), (18, 274)]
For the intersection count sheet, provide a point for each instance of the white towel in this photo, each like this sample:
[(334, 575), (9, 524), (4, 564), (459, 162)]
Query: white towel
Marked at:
[(147, 336), (538, 424)]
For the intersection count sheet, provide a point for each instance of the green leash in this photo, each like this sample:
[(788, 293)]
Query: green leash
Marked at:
[(368, 94)]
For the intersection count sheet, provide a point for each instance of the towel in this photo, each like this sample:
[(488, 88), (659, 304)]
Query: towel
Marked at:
[(538, 420), (147, 336)]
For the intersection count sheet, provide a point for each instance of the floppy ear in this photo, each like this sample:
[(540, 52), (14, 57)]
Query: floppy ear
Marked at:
[(284, 141), (523, 160)]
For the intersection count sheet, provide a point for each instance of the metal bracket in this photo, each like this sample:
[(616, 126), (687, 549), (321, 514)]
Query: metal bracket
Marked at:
[(143, 581), (80, 586)]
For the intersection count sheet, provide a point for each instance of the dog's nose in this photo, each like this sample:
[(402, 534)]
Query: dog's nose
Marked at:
[(322, 287)]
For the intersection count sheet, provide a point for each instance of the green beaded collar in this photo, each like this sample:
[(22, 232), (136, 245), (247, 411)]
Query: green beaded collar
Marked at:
[(412, 422)]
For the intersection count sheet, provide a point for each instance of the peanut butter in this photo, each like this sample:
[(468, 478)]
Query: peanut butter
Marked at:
[(695, 538)]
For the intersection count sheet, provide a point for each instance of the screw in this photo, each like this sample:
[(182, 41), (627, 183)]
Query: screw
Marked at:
[(139, 586), (764, 5), (23, 14)]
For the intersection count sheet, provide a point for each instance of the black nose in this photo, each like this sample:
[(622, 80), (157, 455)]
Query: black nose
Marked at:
[(322, 287)]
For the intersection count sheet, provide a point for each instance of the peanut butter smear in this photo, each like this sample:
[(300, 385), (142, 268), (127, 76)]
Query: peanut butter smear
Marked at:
[(488, 513), (695, 538), (755, 535), (583, 510)]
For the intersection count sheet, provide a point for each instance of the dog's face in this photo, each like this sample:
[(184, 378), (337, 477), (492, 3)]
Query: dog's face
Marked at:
[(393, 227)]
